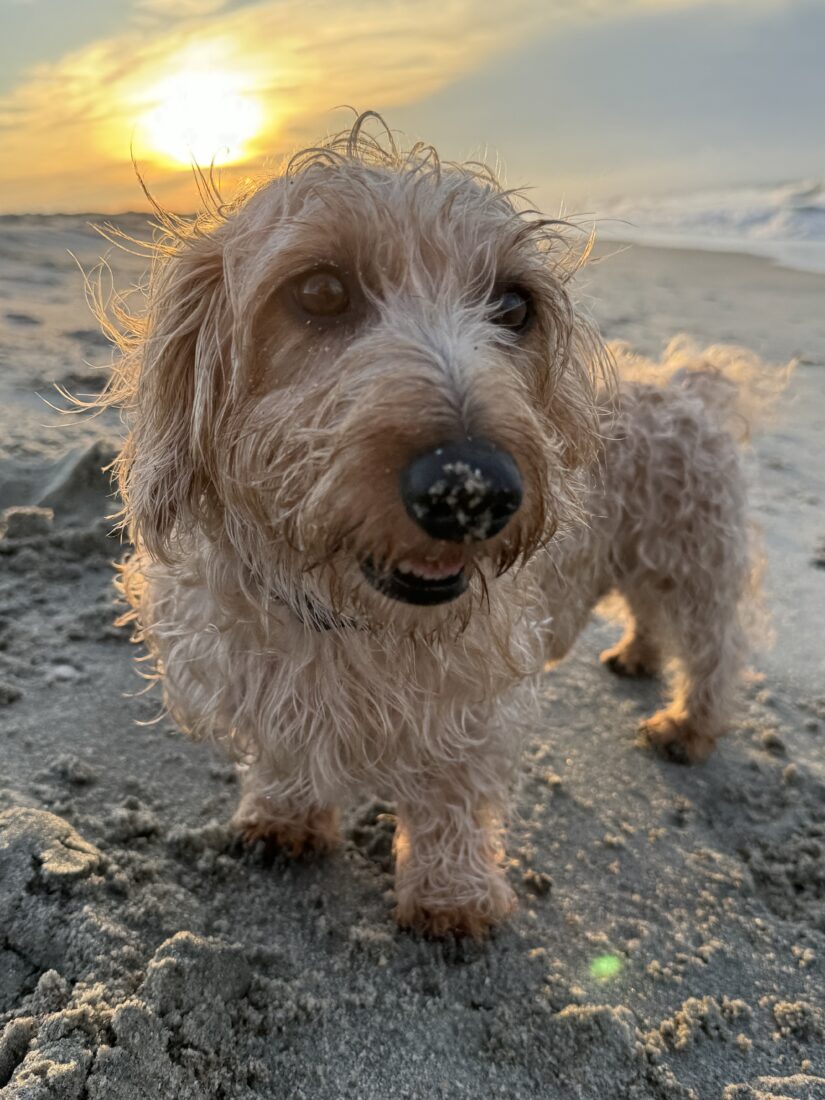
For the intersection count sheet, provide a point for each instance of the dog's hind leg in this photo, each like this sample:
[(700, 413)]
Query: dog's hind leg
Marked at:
[(638, 652), (690, 553), (708, 646)]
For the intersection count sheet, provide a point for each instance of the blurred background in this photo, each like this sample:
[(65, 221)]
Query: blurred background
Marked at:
[(665, 119)]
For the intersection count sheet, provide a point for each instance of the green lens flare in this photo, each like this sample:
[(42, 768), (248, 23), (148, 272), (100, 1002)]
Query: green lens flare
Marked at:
[(605, 967)]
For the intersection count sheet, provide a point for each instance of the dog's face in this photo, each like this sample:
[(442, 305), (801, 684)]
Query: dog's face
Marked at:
[(368, 382)]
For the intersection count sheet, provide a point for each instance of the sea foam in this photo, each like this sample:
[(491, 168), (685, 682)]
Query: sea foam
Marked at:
[(784, 222)]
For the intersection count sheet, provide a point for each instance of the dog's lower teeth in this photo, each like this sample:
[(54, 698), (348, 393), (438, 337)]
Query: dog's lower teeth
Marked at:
[(422, 576), (426, 573), (427, 585)]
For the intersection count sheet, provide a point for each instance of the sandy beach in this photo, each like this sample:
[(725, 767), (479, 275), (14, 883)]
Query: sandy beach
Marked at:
[(670, 940)]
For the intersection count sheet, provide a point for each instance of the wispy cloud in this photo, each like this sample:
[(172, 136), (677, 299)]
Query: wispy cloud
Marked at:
[(68, 126), (181, 8)]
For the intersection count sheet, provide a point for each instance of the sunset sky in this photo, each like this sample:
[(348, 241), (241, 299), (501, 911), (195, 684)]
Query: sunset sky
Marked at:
[(585, 99)]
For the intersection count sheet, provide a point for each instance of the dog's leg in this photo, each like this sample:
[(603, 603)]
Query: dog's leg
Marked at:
[(709, 647), (637, 653), (299, 825), (448, 876)]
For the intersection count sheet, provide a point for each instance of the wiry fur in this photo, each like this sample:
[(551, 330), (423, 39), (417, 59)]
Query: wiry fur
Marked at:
[(262, 466)]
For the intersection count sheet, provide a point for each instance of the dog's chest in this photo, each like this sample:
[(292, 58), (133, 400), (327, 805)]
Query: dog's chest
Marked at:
[(354, 703)]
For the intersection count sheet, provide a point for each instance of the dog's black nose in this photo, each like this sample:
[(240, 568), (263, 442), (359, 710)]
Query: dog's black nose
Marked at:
[(462, 492)]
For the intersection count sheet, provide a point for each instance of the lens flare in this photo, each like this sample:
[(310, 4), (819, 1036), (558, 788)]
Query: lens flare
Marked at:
[(605, 967)]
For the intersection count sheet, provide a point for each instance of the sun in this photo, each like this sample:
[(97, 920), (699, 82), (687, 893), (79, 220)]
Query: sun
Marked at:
[(205, 117)]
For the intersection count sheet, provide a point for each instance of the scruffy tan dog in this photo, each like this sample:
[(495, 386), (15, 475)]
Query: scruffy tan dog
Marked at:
[(378, 473)]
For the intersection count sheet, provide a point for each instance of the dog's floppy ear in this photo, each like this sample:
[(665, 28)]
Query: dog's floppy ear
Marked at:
[(178, 370)]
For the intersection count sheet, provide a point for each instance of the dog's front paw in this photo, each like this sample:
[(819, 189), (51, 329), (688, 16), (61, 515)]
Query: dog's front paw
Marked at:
[(677, 738), (312, 833), (475, 919)]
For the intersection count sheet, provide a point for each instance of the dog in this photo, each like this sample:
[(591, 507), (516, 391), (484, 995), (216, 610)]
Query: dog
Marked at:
[(379, 470)]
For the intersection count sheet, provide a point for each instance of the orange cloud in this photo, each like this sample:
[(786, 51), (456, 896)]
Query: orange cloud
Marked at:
[(68, 127)]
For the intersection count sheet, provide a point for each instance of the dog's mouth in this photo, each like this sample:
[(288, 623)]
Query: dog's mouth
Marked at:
[(417, 581)]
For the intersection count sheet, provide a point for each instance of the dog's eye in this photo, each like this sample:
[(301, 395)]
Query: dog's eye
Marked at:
[(322, 294), (512, 308)]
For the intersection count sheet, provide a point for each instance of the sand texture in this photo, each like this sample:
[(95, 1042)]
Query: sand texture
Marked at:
[(670, 941)]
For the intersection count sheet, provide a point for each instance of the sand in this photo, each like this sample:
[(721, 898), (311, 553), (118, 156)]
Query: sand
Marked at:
[(670, 941)]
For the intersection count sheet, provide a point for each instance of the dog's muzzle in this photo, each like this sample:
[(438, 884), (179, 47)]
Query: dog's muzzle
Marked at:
[(462, 492)]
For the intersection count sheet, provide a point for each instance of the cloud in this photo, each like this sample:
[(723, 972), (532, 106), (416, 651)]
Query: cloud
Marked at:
[(182, 8), (67, 127), (155, 13), (75, 119)]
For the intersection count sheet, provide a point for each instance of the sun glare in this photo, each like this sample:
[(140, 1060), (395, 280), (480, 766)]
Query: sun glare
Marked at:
[(205, 117)]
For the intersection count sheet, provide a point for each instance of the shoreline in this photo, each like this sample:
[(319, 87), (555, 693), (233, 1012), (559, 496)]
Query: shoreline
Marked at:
[(771, 250)]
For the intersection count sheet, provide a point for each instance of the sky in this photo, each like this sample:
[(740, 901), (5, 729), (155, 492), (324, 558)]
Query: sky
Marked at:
[(582, 100)]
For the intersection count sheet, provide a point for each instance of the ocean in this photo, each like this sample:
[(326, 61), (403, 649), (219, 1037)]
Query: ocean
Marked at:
[(784, 222)]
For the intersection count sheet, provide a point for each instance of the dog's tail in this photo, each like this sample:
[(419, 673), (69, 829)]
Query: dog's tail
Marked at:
[(735, 386)]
